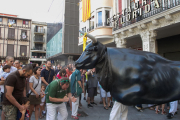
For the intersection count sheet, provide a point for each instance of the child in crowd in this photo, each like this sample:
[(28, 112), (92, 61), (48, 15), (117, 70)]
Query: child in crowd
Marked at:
[(24, 115), (42, 105), (6, 72)]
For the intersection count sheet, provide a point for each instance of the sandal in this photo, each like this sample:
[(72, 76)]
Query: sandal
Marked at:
[(163, 113), (105, 108), (158, 111), (75, 117), (110, 106)]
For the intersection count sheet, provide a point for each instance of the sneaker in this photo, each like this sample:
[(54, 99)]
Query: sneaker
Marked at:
[(75, 117), (170, 115), (93, 103), (89, 105)]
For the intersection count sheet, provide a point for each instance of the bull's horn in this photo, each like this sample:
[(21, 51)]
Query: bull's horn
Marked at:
[(94, 40)]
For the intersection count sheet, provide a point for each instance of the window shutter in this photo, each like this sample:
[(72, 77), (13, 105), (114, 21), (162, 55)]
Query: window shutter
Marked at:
[(13, 33), (10, 50)]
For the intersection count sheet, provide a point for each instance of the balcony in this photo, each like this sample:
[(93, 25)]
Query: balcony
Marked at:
[(99, 24), (168, 4), (39, 40), (39, 48), (23, 38), (39, 31)]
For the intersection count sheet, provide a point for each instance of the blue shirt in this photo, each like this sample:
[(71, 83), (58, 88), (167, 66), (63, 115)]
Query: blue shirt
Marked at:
[(73, 83), (45, 73), (5, 74)]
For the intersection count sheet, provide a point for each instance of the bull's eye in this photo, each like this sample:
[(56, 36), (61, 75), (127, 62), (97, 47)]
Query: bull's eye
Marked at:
[(95, 48)]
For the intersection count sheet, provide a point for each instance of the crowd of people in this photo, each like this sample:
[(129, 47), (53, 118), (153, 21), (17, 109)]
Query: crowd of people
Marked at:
[(46, 90)]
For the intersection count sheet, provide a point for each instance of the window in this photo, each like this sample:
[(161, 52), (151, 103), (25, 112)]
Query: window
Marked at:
[(107, 15), (0, 19), (99, 18), (25, 22), (12, 21), (10, 50), (11, 33), (91, 23), (24, 34), (39, 29), (23, 50)]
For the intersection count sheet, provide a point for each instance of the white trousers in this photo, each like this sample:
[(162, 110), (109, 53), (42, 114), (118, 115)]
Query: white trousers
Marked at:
[(119, 111), (75, 106), (52, 111), (99, 91), (173, 107)]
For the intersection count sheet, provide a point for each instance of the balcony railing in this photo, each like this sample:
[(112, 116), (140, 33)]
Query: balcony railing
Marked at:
[(41, 57), (39, 48), (42, 31), (168, 4), (99, 24), (23, 37), (42, 40)]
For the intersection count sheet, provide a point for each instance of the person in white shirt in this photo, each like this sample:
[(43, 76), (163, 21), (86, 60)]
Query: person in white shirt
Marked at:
[(9, 61)]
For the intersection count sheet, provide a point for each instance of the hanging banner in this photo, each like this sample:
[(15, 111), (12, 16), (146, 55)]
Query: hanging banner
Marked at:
[(86, 10)]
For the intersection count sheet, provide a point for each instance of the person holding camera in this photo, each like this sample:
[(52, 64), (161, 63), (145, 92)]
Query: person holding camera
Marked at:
[(35, 89), (76, 90)]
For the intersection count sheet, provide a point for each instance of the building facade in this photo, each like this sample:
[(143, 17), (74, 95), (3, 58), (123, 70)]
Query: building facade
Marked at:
[(62, 36), (148, 25), (96, 24), (38, 42), (15, 37)]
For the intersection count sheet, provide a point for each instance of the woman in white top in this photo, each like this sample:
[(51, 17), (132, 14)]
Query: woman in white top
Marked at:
[(35, 89)]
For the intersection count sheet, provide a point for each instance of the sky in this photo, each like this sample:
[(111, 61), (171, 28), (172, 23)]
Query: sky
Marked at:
[(37, 10)]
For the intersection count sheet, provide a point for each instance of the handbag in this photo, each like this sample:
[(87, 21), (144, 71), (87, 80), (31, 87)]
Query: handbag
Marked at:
[(28, 94)]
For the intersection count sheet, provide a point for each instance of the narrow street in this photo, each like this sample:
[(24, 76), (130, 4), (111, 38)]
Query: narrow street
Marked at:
[(99, 113)]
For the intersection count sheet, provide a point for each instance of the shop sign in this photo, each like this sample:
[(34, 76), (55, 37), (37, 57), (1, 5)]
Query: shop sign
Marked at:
[(129, 14)]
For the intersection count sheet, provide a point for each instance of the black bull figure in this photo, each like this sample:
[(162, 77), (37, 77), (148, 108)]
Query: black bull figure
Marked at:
[(132, 77)]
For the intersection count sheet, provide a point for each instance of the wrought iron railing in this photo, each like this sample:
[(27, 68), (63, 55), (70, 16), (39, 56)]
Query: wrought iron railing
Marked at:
[(163, 7), (36, 39)]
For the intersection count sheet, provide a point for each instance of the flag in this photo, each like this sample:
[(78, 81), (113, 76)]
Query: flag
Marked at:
[(86, 10)]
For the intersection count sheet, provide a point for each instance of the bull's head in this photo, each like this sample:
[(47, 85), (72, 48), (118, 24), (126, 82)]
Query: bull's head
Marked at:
[(92, 55)]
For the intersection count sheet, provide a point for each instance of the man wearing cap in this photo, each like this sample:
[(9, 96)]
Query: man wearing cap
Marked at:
[(57, 93)]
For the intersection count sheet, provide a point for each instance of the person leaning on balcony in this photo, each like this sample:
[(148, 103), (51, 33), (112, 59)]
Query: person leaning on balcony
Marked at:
[(47, 74)]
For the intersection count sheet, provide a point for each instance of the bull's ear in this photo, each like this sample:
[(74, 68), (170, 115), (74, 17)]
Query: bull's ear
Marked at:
[(95, 48)]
